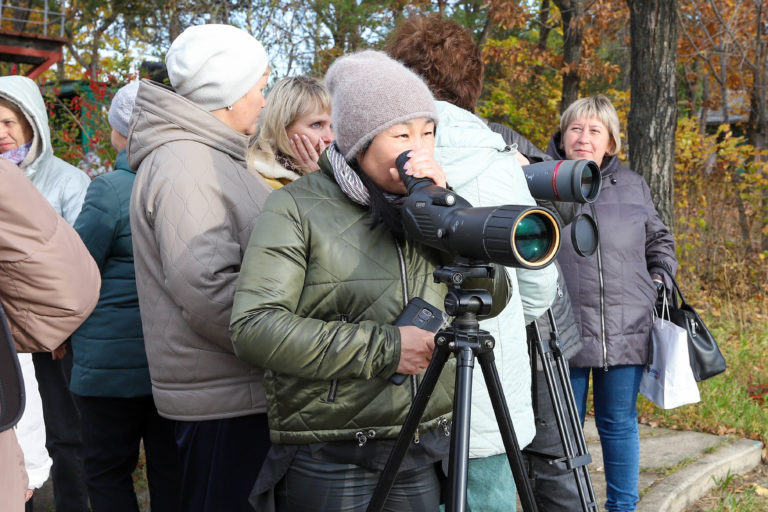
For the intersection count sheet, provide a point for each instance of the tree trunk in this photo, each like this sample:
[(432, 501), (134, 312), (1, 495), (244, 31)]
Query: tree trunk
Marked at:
[(724, 97), (571, 12), (544, 28), (652, 119), (704, 104)]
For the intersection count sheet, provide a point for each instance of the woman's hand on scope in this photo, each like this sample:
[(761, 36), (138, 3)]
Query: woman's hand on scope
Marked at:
[(422, 164), (306, 153), (416, 347)]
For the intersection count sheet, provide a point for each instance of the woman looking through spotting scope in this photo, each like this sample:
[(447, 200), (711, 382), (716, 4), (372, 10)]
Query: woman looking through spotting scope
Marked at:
[(326, 274)]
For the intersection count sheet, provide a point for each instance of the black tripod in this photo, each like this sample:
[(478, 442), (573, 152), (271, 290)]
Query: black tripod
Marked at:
[(575, 458), (466, 341)]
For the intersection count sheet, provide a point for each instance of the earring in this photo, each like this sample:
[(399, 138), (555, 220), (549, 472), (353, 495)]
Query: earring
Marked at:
[(229, 107)]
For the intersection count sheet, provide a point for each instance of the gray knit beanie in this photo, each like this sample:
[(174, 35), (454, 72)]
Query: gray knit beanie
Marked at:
[(371, 92), (122, 106), (215, 65)]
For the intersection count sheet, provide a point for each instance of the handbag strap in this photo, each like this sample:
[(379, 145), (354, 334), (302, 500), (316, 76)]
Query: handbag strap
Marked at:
[(664, 309), (675, 292)]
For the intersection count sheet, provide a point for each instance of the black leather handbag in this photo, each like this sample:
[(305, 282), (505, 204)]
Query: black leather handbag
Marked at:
[(706, 359)]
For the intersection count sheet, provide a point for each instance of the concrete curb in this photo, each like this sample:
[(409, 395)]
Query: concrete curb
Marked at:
[(680, 489)]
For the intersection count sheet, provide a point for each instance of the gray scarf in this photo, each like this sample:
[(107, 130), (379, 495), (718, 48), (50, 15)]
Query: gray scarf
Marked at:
[(348, 180), (350, 183)]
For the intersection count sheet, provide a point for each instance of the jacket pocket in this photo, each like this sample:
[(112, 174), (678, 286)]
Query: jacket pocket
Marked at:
[(332, 390), (334, 387)]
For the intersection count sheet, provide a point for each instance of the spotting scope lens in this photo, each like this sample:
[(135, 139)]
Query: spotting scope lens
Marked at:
[(533, 237), (513, 235)]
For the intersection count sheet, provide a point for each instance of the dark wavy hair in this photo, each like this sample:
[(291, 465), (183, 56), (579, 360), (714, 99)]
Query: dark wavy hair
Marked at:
[(444, 54)]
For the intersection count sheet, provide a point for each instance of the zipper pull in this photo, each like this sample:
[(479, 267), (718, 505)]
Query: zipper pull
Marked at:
[(416, 437), (510, 148), (443, 423)]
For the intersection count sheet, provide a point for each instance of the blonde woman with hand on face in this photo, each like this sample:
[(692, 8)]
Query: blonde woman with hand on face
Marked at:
[(293, 130)]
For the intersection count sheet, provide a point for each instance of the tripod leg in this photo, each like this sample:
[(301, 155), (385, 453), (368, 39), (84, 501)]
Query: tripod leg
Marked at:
[(580, 460), (581, 443), (459, 457), (576, 462), (493, 383), (408, 429)]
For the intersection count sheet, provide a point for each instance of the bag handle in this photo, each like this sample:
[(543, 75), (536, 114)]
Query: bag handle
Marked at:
[(664, 309), (675, 292)]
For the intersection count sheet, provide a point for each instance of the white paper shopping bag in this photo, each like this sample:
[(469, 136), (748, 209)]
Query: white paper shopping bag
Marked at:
[(668, 381)]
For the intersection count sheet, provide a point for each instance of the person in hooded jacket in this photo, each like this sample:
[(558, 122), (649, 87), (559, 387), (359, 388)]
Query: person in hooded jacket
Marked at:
[(25, 140), (327, 272), (483, 170), (293, 130), (193, 205), (444, 53), (110, 376), (614, 291)]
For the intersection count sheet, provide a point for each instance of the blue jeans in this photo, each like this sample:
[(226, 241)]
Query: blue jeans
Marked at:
[(615, 399)]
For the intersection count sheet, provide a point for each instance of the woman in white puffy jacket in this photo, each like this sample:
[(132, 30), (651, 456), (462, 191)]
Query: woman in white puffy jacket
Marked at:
[(30, 430), (480, 167)]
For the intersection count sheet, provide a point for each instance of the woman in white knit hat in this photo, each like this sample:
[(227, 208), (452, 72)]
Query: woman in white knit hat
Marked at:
[(327, 272), (193, 205), (293, 130)]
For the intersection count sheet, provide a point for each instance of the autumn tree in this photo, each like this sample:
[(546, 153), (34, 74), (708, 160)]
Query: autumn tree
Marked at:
[(725, 43)]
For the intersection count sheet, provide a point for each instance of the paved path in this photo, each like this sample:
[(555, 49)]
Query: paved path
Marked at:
[(676, 467)]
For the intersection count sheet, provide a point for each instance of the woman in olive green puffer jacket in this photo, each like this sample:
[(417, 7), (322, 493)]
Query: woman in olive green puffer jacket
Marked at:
[(326, 274)]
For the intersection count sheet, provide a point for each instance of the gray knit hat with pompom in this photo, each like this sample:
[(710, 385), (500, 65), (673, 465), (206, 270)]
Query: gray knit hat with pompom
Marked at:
[(371, 92)]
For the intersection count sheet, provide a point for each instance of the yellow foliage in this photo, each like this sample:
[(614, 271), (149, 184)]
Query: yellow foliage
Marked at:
[(720, 184)]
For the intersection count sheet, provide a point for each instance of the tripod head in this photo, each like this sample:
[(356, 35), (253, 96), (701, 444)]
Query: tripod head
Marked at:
[(465, 305), (458, 301)]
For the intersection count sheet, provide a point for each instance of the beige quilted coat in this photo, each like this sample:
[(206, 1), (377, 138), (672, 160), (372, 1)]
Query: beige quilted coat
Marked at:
[(193, 206), (49, 284)]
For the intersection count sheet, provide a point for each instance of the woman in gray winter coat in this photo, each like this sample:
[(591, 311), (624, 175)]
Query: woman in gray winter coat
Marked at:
[(614, 291), (193, 205)]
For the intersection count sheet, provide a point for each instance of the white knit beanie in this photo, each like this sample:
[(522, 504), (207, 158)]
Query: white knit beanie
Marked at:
[(122, 106), (215, 65), (371, 92)]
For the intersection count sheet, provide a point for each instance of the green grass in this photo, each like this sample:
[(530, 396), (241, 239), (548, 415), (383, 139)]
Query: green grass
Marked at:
[(731, 496)]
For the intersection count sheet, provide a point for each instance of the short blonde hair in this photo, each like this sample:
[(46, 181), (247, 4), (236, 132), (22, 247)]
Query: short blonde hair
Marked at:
[(288, 100), (597, 107)]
